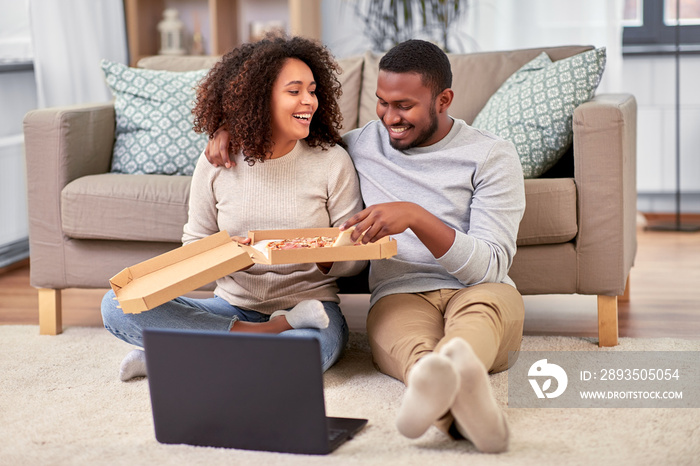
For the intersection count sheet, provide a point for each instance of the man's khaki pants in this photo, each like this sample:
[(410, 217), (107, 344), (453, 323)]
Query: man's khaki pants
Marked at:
[(402, 328)]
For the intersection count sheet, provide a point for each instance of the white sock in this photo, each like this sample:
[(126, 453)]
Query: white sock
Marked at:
[(133, 365), (306, 314), (477, 415), (432, 385)]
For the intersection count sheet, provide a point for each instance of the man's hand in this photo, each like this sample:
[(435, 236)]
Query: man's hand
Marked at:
[(392, 218), (381, 220), (216, 151)]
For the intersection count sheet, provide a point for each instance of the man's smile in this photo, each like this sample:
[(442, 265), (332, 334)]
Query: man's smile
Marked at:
[(398, 131)]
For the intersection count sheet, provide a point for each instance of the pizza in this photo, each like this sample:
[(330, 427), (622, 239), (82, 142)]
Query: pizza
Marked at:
[(313, 242), (345, 240), (301, 243)]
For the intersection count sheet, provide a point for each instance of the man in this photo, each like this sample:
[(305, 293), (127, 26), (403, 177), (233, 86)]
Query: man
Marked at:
[(443, 312)]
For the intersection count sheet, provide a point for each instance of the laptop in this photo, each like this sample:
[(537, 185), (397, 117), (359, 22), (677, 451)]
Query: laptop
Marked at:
[(237, 390)]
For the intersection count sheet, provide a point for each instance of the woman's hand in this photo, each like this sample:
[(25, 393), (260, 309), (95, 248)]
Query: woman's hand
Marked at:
[(216, 151), (324, 267), (240, 239)]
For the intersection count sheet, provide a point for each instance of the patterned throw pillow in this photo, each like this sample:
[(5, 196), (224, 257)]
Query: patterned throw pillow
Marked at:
[(154, 132), (534, 108)]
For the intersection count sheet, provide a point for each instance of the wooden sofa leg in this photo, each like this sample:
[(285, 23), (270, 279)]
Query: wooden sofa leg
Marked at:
[(607, 321), (625, 297), (50, 312)]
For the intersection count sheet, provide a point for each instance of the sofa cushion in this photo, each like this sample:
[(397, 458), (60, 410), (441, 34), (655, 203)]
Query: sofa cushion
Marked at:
[(475, 77), (550, 212), (351, 81), (368, 93), (154, 121), (534, 108), (178, 63), (126, 207), (154, 208)]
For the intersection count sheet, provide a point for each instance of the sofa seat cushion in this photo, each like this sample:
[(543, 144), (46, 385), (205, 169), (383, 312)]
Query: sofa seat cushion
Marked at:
[(550, 212), (126, 207), (154, 208)]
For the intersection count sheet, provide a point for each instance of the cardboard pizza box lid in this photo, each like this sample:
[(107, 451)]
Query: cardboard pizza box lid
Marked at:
[(382, 249), (165, 277)]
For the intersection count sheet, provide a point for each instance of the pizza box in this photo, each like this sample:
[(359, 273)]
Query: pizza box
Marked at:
[(381, 249), (165, 277)]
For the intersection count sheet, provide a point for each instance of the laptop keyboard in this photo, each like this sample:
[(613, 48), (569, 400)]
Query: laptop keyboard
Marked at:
[(333, 434)]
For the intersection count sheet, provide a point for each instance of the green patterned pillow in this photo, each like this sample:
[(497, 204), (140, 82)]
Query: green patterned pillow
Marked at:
[(534, 108), (154, 121)]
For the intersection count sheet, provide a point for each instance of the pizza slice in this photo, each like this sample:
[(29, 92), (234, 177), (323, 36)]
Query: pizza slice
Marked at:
[(344, 238)]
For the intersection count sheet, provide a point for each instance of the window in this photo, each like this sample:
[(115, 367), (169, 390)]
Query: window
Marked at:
[(15, 38), (653, 23)]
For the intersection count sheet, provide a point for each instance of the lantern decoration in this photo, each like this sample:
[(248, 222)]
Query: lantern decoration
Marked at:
[(171, 33)]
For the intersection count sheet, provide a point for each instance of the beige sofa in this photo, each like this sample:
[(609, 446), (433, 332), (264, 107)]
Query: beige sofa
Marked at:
[(577, 235)]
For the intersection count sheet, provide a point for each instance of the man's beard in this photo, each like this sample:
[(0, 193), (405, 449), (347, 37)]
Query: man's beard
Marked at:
[(423, 136)]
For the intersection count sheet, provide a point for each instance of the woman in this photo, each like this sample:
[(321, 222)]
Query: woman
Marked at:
[(277, 99)]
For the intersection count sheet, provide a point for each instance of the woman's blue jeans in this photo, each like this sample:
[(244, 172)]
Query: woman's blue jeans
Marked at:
[(215, 314)]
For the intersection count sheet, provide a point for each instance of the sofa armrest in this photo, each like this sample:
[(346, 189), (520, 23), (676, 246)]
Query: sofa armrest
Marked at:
[(605, 151), (61, 144)]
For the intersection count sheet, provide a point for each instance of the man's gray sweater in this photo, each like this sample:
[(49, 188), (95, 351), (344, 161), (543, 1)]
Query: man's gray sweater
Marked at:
[(471, 180)]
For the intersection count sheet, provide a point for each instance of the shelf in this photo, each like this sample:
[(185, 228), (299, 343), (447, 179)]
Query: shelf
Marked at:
[(143, 16)]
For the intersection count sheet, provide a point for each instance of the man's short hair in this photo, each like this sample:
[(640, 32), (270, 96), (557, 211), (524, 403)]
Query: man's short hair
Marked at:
[(422, 57)]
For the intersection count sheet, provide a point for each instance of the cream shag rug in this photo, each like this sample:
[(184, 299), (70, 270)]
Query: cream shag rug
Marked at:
[(61, 403)]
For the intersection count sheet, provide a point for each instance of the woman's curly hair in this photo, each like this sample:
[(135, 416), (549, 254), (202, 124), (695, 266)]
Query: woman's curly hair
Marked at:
[(236, 95)]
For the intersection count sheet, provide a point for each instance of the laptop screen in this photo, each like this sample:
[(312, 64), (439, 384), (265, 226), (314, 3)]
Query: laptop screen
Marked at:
[(237, 390)]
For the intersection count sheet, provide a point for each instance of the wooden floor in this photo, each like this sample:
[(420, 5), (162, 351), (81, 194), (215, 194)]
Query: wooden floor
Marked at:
[(664, 298)]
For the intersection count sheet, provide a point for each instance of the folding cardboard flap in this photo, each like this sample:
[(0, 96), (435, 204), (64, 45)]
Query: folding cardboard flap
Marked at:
[(120, 280), (179, 285), (166, 259), (180, 254), (169, 275), (256, 255)]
